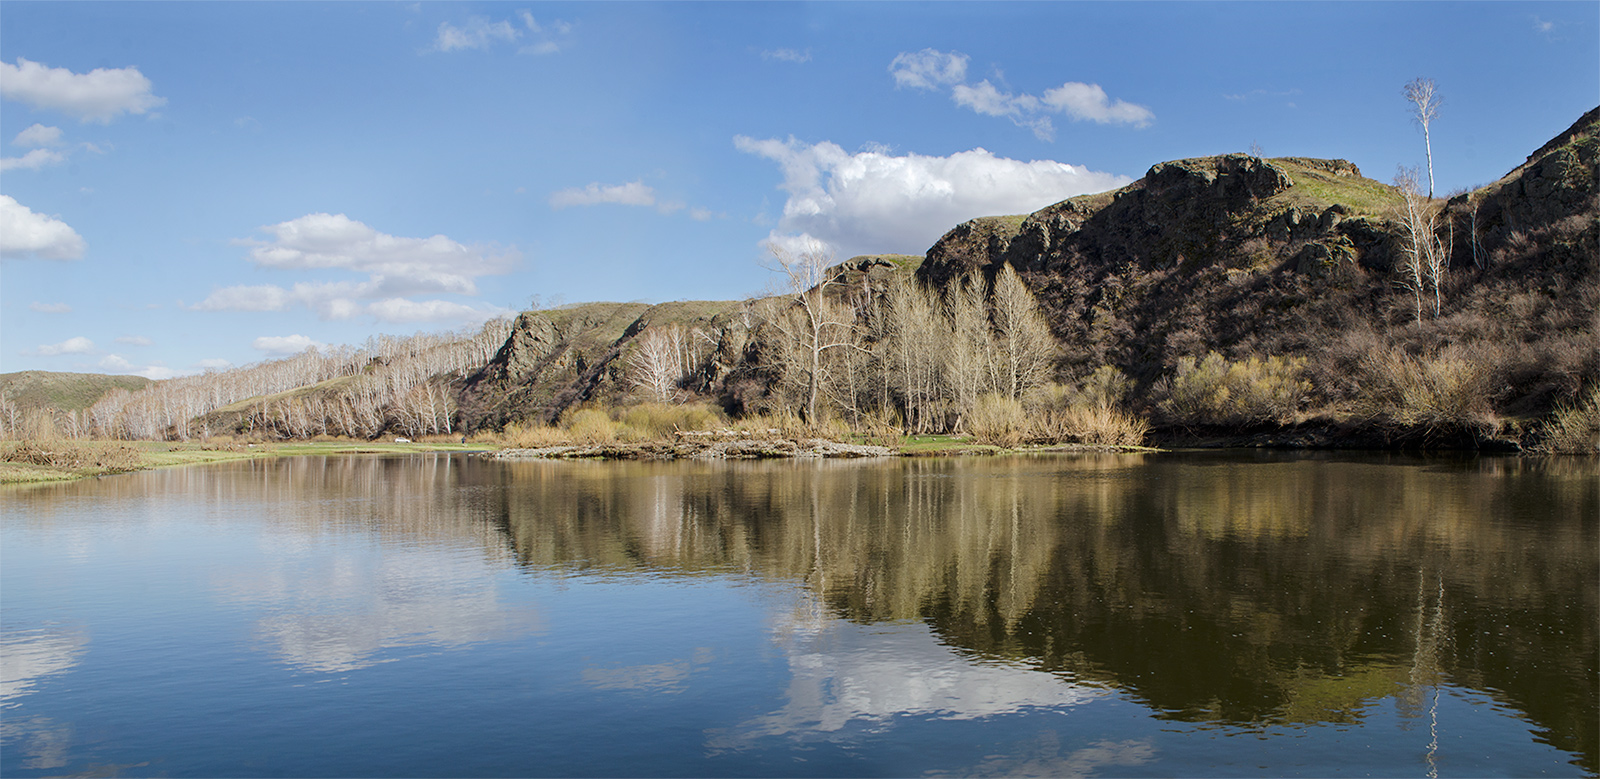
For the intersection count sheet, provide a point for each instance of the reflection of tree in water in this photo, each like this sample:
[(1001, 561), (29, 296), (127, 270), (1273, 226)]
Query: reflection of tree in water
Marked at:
[(1244, 589)]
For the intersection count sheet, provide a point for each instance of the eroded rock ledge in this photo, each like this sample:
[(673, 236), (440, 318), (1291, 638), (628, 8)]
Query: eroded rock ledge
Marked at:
[(710, 449)]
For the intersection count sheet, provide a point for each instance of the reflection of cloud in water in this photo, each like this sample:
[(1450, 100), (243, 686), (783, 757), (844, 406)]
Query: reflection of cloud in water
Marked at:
[(668, 677), (1043, 757), (28, 655), (846, 674), (43, 741), (335, 613)]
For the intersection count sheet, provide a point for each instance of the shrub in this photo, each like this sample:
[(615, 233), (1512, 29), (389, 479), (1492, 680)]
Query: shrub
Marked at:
[(997, 419), (1215, 391), (528, 436), (658, 421), (1574, 429), (591, 426), (1091, 414), (1446, 391)]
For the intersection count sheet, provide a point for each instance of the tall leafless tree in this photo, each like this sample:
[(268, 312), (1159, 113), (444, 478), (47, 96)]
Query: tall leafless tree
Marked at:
[(1423, 95)]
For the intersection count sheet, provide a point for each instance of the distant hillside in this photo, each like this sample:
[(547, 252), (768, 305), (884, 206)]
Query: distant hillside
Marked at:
[(62, 391)]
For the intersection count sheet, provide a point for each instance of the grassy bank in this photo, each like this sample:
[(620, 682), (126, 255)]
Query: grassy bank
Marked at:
[(23, 462)]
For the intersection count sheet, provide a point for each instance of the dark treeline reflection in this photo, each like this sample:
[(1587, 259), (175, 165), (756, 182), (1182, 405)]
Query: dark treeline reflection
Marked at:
[(1260, 589)]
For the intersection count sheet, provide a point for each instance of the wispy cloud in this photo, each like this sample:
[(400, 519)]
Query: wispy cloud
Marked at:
[(633, 193), (100, 95), (285, 344), (787, 55), (931, 69), (50, 308), (134, 340), (37, 136), (479, 33), (33, 160)]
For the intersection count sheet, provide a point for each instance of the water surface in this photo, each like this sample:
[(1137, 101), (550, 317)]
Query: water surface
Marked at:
[(1216, 614)]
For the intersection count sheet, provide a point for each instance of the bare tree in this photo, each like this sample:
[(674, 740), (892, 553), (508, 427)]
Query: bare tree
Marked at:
[(1025, 346), (1424, 259), (813, 326), (1423, 95)]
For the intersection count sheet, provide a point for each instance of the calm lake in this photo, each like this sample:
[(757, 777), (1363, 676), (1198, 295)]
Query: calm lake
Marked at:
[(1210, 614)]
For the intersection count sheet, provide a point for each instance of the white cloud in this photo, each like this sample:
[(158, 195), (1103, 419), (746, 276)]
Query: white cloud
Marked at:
[(394, 266), (37, 135), (214, 363), (787, 55), (115, 362), (403, 310), (50, 308), (481, 34), (259, 297), (75, 345), (134, 340), (928, 69), (285, 344), (33, 160), (24, 233), (1089, 102), (873, 202), (160, 372), (633, 193), (97, 96)]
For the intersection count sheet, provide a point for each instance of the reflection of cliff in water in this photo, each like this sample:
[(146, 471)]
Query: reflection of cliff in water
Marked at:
[(1255, 589)]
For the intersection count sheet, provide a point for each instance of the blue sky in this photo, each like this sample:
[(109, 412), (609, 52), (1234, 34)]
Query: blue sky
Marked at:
[(196, 185)]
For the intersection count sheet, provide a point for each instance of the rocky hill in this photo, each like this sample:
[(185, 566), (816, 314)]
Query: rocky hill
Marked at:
[(1295, 256), (1246, 257)]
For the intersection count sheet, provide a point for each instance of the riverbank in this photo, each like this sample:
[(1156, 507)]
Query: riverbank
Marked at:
[(30, 462), (708, 446)]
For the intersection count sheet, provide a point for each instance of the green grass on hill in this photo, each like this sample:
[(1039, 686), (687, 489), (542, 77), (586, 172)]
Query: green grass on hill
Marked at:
[(63, 391), (1319, 189)]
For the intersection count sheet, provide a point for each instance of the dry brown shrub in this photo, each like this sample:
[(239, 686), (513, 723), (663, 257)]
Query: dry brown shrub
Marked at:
[(997, 419), (1216, 391), (1445, 391), (1574, 429)]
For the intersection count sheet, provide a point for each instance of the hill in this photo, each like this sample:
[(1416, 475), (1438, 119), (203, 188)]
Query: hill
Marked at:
[(30, 390)]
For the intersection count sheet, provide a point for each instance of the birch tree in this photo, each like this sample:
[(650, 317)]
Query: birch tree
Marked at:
[(812, 326), (1423, 95)]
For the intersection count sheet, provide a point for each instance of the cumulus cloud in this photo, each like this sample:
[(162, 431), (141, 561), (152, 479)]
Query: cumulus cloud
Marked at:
[(481, 34), (37, 135), (115, 362), (50, 308), (33, 160), (874, 202), (787, 55), (285, 344), (395, 267), (930, 69), (24, 234), (100, 95), (75, 345)]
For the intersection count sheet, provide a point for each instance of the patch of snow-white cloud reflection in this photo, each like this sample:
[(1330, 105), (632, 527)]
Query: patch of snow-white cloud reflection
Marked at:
[(849, 677), (332, 613), (27, 656)]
